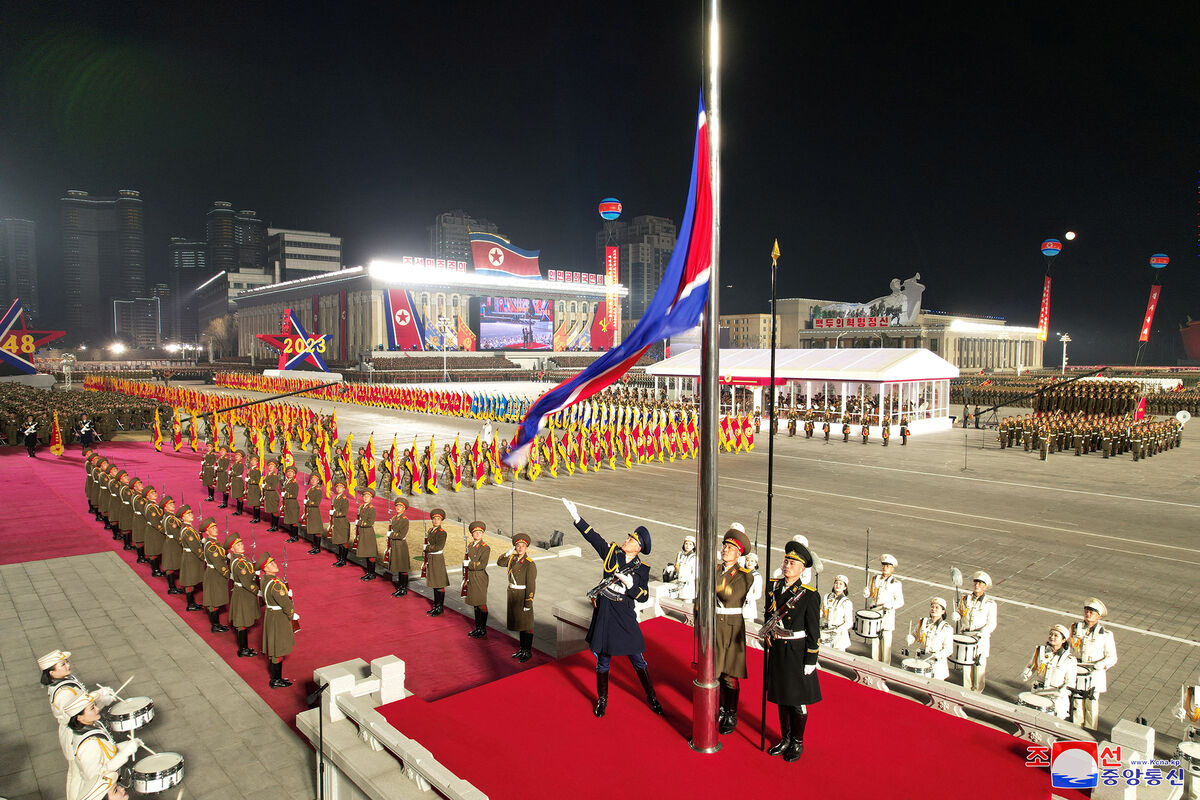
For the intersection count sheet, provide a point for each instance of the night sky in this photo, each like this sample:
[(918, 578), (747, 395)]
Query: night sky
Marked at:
[(874, 141)]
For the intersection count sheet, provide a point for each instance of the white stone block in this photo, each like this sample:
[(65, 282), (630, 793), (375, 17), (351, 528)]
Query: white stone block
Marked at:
[(390, 672), (341, 681), (1133, 736)]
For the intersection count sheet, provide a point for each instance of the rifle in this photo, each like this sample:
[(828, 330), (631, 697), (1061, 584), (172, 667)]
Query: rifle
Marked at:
[(775, 620), (466, 561), (629, 568)]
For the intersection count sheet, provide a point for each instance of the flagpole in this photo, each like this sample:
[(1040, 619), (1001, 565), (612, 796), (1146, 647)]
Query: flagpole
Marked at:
[(704, 697), (762, 728)]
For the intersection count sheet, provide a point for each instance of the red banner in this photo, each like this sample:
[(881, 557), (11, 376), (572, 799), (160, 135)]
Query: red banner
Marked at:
[(1044, 314), (1151, 305), (851, 322), (601, 333), (612, 263), (404, 327)]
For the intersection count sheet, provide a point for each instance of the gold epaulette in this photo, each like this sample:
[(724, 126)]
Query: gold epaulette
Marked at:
[(810, 588)]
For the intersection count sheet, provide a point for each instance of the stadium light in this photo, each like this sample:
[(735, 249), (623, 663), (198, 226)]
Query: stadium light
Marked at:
[(116, 348)]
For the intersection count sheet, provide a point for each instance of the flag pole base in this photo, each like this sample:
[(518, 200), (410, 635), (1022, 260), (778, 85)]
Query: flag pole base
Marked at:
[(704, 718)]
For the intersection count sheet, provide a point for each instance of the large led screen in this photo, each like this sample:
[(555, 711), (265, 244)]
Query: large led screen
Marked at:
[(515, 323)]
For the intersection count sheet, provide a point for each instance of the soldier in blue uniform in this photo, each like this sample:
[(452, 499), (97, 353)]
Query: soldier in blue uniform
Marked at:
[(614, 630), (792, 681)]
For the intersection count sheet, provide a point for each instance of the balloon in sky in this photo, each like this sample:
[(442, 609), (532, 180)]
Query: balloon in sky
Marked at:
[(1051, 248), (1159, 260), (610, 208)]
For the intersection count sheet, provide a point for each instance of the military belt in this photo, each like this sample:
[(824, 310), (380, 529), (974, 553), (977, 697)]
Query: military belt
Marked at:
[(516, 586), (274, 608), (784, 634), (721, 610)]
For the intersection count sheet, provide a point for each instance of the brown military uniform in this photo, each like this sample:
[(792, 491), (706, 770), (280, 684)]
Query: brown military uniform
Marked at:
[(208, 469), (339, 526), (254, 486), (278, 636), (521, 582), (477, 558), (313, 525), (291, 502), (172, 552), (399, 559), (216, 575), (368, 545), (435, 561), (153, 515), (729, 641), (243, 601), (192, 570), (137, 522)]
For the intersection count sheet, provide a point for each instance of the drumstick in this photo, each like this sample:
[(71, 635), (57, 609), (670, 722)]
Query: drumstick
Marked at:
[(143, 746), (117, 693)]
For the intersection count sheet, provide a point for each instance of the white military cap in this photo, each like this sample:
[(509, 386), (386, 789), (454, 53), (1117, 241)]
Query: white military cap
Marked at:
[(941, 601), (888, 558), (690, 538), (737, 526), (801, 538), (842, 578), (50, 659), (78, 703), (982, 576), (1095, 604)]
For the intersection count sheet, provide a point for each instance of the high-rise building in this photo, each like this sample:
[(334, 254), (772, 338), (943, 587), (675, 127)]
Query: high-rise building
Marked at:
[(449, 234), (137, 322), (104, 258), (220, 225), (18, 264), (250, 234), (645, 246), (188, 262), (299, 254)]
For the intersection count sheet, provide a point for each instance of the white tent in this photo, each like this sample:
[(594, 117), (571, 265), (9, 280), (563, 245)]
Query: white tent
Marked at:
[(893, 382)]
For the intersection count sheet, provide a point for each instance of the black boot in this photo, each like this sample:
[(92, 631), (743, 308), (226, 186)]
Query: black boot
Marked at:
[(722, 705), (369, 570), (396, 583), (277, 679), (730, 721), (244, 649), (274, 523), (341, 553), (477, 631), (141, 551), (316, 545), (796, 747), (214, 618), (601, 704), (238, 512), (439, 599), (224, 500), (648, 688), (526, 646), (192, 605), (211, 489), (785, 728), (128, 537), (156, 567), (257, 516), (171, 587), (295, 537), (403, 583)]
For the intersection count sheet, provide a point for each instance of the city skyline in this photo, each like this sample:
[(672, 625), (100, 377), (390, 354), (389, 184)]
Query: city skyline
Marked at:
[(871, 143)]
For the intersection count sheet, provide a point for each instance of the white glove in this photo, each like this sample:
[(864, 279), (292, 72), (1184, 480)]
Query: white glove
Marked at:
[(627, 580), (1027, 674), (909, 640), (125, 751), (295, 616), (511, 551), (866, 592), (527, 609), (571, 509), (809, 669), (955, 617), (289, 592)]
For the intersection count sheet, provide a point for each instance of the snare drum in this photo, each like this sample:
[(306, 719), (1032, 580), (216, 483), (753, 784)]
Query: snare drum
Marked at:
[(1085, 679), (130, 714), (157, 772), (1188, 754), (918, 666), (868, 624), (966, 650), (826, 637), (1036, 702)]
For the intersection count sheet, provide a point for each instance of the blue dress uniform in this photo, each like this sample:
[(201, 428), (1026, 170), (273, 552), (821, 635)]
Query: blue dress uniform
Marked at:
[(792, 681), (614, 630)]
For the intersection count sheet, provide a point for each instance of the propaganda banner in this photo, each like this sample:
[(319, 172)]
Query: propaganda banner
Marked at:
[(1044, 314), (404, 328), (1151, 305)]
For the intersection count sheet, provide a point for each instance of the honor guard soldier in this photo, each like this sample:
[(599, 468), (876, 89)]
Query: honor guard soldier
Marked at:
[(825, 427), (314, 527), (153, 519), (886, 431), (94, 752), (614, 629), (339, 522), (221, 474), (884, 594), (30, 432), (243, 599), (837, 615), (845, 429), (866, 428), (254, 478), (1094, 647), (172, 556), (291, 504), (237, 481), (904, 432), (366, 546), (475, 578), (935, 639), (89, 484), (809, 426), (208, 472), (521, 583), (733, 583), (793, 613), (216, 575), (976, 616), (398, 558), (125, 510), (137, 523), (279, 633), (433, 569), (791, 418), (270, 494), (191, 572), (113, 506), (1053, 669)]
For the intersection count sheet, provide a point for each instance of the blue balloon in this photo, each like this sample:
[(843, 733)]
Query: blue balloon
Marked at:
[(610, 208), (1051, 248), (1159, 260)]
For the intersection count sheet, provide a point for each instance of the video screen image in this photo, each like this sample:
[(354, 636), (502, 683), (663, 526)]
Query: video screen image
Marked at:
[(515, 323)]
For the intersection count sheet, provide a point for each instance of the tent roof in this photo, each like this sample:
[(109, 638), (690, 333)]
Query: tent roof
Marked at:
[(872, 365)]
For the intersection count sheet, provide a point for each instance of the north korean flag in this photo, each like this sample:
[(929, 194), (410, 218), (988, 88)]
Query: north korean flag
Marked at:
[(494, 255), (404, 326)]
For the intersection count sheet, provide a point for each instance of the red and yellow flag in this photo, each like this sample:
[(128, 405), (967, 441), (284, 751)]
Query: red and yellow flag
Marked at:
[(56, 439), (368, 461), (177, 431), (157, 433)]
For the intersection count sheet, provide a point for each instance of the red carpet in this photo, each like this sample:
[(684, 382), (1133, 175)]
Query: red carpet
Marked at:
[(342, 617), (859, 743)]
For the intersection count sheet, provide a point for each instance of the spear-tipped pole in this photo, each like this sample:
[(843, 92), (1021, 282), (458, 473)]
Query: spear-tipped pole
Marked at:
[(762, 729)]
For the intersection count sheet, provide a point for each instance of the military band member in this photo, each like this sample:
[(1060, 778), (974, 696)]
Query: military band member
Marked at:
[(254, 478), (904, 432), (1053, 669), (884, 594), (94, 751), (191, 572), (153, 517), (521, 582), (279, 635), (845, 429), (1093, 646), (208, 472), (104, 787), (837, 615), (313, 525), (434, 569), (809, 425), (825, 427), (614, 630), (30, 432), (62, 687), (733, 583), (366, 546), (475, 578), (398, 557), (237, 481), (339, 522), (172, 555), (270, 494), (221, 475), (886, 431), (291, 504), (243, 599), (216, 575), (935, 639), (866, 428), (976, 615), (792, 682)]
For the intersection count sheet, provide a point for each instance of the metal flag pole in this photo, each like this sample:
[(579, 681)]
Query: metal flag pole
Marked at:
[(762, 730), (704, 696)]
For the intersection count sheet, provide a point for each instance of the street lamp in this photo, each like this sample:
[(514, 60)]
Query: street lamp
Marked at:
[(443, 323), (1066, 337)]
